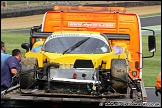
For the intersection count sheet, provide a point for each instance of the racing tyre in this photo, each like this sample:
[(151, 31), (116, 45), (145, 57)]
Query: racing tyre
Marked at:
[(28, 78), (119, 75)]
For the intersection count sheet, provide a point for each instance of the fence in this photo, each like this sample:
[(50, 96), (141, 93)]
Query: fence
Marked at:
[(24, 3), (26, 8)]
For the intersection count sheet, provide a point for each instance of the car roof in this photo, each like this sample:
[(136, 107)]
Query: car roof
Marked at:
[(82, 32)]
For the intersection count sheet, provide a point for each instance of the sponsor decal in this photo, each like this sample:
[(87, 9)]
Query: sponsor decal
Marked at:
[(91, 24), (75, 35)]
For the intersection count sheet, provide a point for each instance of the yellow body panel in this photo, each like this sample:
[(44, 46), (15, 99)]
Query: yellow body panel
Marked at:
[(69, 59)]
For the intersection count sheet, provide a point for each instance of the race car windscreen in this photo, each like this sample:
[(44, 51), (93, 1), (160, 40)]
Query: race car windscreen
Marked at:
[(76, 45)]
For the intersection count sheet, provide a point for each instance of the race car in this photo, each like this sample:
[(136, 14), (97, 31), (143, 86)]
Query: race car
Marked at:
[(79, 58)]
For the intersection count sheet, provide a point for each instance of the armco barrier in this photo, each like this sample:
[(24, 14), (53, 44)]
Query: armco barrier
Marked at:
[(128, 4), (41, 9)]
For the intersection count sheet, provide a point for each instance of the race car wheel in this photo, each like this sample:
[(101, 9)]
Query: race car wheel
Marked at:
[(28, 78), (119, 75)]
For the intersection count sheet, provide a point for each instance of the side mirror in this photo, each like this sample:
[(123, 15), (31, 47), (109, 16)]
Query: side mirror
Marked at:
[(25, 46), (152, 43)]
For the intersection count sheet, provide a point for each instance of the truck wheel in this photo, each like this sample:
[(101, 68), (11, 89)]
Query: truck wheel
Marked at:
[(119, 75), (28, 79)]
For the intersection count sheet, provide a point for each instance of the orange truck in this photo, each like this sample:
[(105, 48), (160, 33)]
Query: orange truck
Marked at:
[(68, 57)]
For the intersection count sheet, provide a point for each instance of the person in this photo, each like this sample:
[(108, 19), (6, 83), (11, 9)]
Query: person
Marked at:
[(158, 84), (4, 55), (10, 67)]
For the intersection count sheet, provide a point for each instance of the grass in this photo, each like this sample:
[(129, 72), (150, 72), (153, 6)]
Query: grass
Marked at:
[(14, 40), (151, 66)]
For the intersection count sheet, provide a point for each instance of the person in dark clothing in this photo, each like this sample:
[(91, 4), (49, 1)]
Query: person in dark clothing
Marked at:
[(9, 69)]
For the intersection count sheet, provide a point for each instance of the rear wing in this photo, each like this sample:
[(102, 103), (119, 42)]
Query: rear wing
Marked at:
[(44, 35), (110, 36), (34, 35), (41, 34), (118, 36)]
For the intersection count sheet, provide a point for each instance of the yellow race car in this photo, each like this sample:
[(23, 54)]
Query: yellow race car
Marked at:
[(67, 61)]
